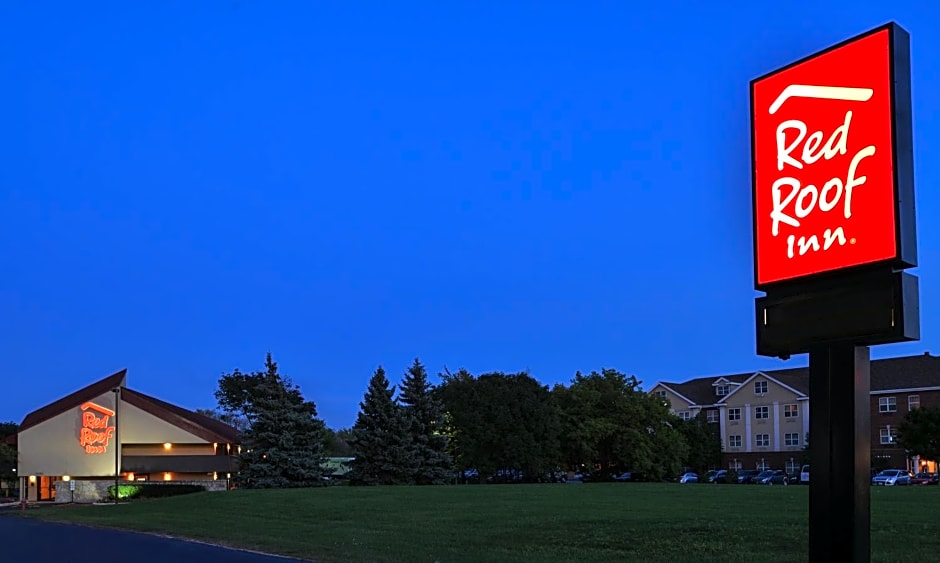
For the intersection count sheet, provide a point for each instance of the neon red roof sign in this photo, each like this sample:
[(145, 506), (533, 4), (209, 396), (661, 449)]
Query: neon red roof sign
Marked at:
[(832, 161), (97, 430)]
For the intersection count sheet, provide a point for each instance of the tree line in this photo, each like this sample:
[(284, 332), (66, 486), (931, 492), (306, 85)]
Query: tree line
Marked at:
[(489, 427)]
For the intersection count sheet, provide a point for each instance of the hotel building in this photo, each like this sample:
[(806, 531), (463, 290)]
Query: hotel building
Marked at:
[(72, 449), (764, 415)]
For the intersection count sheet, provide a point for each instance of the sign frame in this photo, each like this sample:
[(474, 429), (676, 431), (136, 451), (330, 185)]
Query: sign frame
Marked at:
[(905, 239)]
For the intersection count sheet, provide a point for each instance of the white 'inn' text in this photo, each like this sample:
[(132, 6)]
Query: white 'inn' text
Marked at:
[(793, 201)]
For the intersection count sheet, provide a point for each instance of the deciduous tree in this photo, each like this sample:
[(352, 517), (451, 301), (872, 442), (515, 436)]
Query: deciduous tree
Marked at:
[(609, 421), (704, 443), (337, 443), (501, 423), (8, 429), (919, 433)]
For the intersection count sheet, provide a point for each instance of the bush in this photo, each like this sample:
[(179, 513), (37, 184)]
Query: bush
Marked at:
[(144, 490)]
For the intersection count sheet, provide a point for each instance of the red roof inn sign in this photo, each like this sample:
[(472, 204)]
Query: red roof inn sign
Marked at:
[(833, 197), (832, 161), (97, 428), (833, 212)]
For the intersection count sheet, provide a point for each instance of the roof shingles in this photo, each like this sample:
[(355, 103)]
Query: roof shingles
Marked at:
[(907, 372), (197, 424)]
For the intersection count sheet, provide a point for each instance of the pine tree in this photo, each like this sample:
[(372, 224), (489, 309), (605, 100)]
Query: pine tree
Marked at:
[(427, 428), (379, 439), (284, 445)]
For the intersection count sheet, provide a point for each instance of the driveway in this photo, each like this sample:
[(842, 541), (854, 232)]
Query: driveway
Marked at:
[(47, 542)]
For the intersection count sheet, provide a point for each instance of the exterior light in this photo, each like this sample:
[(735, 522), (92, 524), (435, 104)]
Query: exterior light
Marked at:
[(130, 476), (167, 476), (167, 446), (32, 478), (66, 478)]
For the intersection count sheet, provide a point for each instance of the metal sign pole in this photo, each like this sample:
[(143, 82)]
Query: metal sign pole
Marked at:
[(840, 454)]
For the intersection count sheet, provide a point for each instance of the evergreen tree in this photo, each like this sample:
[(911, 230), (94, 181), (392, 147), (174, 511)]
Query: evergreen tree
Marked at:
[(426, 427), (284, 445), (379, 439)]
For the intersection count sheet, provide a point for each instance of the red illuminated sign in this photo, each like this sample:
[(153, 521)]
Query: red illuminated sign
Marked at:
[(96, 430), (832, 161)]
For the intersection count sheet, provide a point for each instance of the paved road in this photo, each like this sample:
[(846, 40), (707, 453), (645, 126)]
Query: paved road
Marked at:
[(46, 542)]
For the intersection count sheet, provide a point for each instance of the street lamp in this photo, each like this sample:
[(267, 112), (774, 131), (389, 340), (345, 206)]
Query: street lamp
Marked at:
[(117, 441)]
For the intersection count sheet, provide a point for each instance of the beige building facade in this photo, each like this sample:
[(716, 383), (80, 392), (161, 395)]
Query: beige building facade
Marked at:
[(106, 431), (764, 416)]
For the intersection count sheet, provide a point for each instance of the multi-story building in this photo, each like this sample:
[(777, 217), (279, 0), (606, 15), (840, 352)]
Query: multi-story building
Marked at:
[(764, 415)]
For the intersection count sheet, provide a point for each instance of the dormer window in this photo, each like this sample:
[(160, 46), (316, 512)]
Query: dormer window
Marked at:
[(722, 390)]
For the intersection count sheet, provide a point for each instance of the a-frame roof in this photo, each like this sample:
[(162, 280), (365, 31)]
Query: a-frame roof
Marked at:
[(196, 424), (200, 425), (765, 375), (667, 387), (74, 400), (887, 374)]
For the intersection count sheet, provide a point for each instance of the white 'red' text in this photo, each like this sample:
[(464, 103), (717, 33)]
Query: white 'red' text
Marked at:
[(793, 201)]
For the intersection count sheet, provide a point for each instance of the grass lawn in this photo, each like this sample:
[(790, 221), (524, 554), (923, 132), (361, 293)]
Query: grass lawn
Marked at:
[(521, 523)]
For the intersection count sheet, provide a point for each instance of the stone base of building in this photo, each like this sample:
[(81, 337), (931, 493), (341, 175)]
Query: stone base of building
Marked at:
[(92, 491)]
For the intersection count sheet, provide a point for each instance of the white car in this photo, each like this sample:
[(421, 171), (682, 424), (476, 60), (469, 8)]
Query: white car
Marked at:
[(689, 478)]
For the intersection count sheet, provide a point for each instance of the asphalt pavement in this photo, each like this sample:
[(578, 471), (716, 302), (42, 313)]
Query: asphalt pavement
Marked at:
[(34, 541)]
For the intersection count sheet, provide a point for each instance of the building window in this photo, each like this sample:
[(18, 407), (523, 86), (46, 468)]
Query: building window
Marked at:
[(712, 416), (790, 411), (734, 414), (734, 465), (913, 402), (661, 395), (887, 404), (734, 441), (721, 390), (760, 387), (791, 439), (793, 467), (762, 412), (685, 415), (762, 465), (763, 440), (888, 435)]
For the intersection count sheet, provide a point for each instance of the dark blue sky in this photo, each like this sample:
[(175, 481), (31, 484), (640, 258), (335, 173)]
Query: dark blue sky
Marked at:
[(186, 186)]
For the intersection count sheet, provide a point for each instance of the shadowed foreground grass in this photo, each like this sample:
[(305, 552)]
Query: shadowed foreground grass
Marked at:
[(522, 523)]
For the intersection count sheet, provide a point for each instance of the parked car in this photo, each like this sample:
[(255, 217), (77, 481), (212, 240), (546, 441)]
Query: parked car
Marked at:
[(804, 475), (771, 477), (689, 478), (720, 476), (924, 479), (623, 477), (745, 475), (892, 477)]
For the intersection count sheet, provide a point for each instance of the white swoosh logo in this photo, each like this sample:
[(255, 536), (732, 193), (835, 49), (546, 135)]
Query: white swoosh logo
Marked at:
[(821, 92)]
